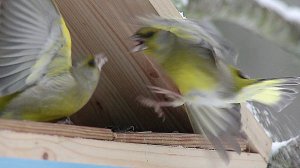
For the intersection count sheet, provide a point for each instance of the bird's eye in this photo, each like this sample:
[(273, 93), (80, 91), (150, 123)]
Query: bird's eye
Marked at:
[(149, 34), (91, 62)]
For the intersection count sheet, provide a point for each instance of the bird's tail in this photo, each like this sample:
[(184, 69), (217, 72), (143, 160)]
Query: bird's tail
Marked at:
[(223, 125), (276, 94)]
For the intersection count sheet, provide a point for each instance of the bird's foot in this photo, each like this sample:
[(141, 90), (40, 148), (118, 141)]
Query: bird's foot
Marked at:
[(157, 105), (169, 94)]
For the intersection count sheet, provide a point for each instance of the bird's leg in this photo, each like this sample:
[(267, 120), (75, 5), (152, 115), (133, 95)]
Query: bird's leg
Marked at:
[(176, 100), (167, 93), (157, 105)]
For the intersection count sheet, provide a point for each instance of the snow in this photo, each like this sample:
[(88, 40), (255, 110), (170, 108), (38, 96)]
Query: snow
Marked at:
[(185, 2), (268, 133), (181, 13), (289, 13), (277, 145), (253, 110), (255, 113)]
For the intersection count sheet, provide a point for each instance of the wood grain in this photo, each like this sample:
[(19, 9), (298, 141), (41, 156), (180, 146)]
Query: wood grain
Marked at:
[(78, 150), (173, 139), (167, 139), (105, 26), (56, 129)]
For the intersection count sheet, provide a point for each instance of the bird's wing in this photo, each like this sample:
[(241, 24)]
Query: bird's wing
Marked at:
[(203, 40), (31, 34), (222, 47), (201, 34), (219, 125)]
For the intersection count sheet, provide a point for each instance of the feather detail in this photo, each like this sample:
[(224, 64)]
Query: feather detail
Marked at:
[(219, 125), (31, 35), (274, 93)]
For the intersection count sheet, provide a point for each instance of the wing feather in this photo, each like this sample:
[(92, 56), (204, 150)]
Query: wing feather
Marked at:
[(30, 37), (15, 78), (218, 125), (17, 60), (275, 93), (13, 69)]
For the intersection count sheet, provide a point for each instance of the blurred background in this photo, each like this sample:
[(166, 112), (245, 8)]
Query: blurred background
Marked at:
[(267, 42)]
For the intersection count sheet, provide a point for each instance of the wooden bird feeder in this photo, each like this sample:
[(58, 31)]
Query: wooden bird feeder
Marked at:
[(104, 26)]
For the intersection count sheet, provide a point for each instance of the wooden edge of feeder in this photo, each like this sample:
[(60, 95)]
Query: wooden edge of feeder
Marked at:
[(72, 131), (79, 150), (259, 141)]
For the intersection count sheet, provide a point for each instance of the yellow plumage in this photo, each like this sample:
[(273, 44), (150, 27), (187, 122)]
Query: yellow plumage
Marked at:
[(193, 56), (37, 79)]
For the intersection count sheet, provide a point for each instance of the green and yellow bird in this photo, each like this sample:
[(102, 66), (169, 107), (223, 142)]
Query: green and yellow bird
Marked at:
[(193, 57), (37, 79)]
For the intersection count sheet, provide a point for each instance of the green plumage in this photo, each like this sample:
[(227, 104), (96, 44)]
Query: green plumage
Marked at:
[(193, 56), (37, 79)]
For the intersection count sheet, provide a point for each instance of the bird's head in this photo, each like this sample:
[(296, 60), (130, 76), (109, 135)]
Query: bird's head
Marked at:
[(154, 41), (144, 38), (88, 70), (161, 37)]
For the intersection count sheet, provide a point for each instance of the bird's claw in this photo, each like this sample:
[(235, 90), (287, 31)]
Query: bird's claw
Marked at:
[(169, 94), (152, 103)]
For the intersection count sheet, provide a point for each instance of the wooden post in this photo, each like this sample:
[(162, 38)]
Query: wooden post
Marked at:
[(258, 139)]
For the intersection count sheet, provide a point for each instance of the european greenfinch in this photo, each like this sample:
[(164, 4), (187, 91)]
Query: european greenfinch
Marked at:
[(212, 91), (37, 79)]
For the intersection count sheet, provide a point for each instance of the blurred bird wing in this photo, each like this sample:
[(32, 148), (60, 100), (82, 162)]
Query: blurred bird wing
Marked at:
[(208, 43), (219, 125), (223, 48), (31, 34), (200, 33)]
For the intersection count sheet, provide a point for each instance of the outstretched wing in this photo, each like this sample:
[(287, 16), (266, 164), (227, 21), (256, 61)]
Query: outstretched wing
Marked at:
[(31, 34)]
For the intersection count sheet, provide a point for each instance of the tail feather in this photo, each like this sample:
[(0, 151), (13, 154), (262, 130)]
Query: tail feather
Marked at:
[(218, 125), (275, 93)]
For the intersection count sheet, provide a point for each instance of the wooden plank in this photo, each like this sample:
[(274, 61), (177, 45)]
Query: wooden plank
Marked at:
[(165, 8), (172, 139), (78, 150), (105, 26), (258, 140), (168, 139), (56, 129)]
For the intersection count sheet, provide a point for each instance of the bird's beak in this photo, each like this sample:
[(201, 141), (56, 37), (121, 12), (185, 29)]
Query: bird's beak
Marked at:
[(139, 43)]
